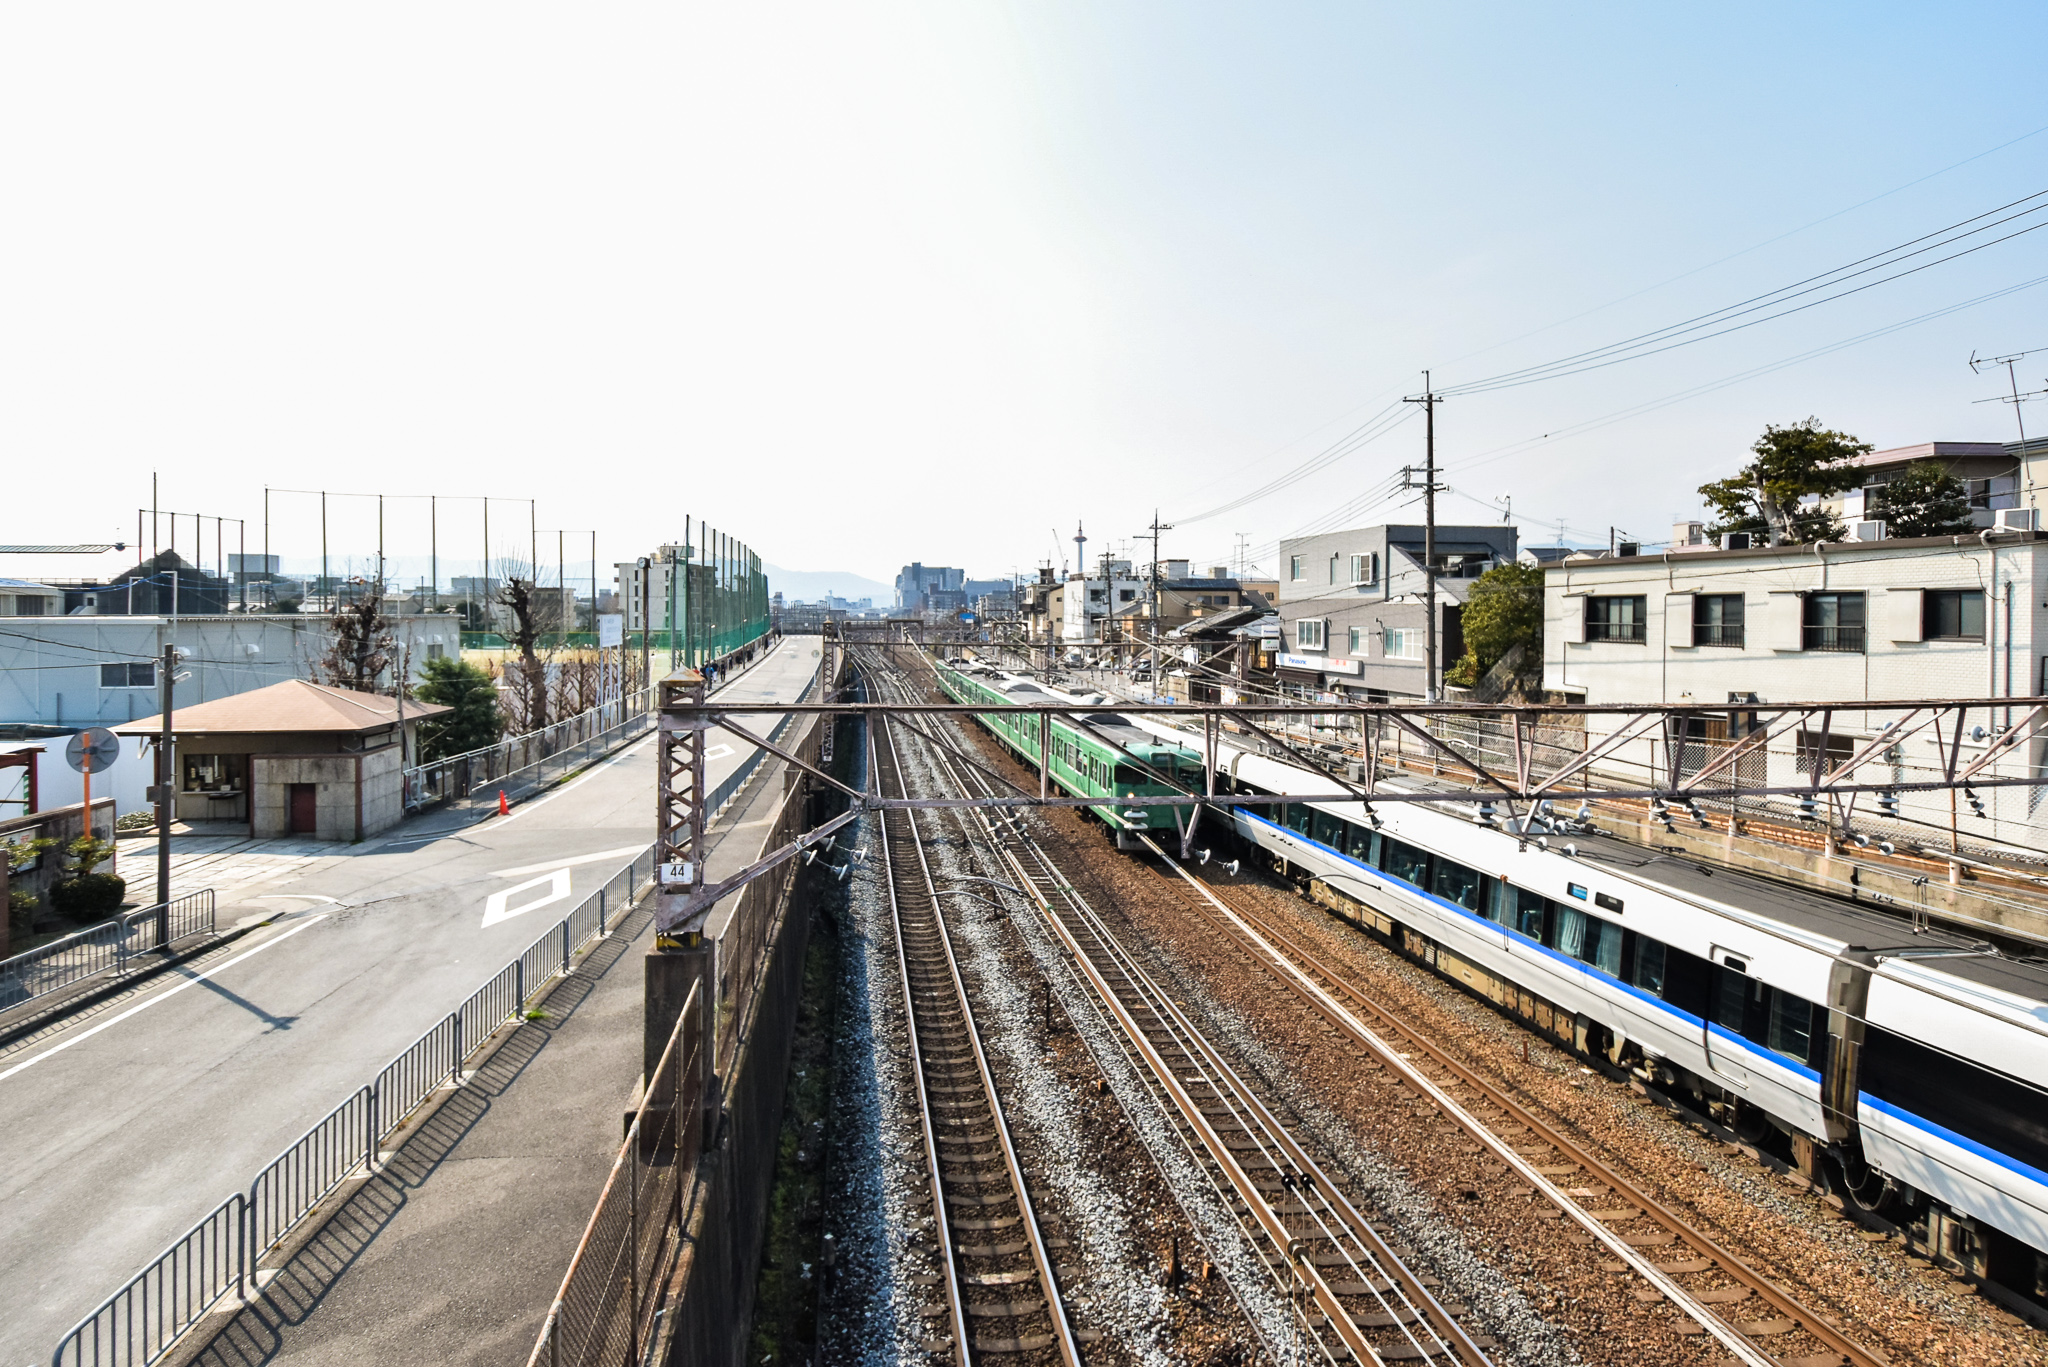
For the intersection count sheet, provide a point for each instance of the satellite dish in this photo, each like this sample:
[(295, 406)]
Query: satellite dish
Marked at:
[(95, 745)]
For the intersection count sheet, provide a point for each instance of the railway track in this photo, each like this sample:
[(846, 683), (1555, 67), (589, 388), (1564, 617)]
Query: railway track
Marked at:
[(1758, 1322), (1002, 1299), (1355, 1296)]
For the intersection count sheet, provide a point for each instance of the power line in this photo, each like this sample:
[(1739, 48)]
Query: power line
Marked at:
[(1676, 335)]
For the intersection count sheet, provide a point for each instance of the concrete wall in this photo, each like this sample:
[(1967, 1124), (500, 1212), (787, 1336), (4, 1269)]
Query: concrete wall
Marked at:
[(50, 666), (356, 795)]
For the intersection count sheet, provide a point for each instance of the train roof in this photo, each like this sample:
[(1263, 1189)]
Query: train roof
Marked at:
[(1853, 925), (1028, 692), (1850, 925)]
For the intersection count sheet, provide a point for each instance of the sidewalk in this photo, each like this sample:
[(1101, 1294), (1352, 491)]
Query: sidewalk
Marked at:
[(454, 1251)]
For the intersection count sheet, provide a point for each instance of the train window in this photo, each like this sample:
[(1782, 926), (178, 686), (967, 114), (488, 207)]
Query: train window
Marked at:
[(1791, 1029), (1298, 818), (1732, 997), (1567, 930), (1360, 843), (1405, 862), (1688, 980), (1648, 970), (1456, 883), (1529, 913), (1992, 1108), (1325, 829), (1599, 942), (1130, 776)]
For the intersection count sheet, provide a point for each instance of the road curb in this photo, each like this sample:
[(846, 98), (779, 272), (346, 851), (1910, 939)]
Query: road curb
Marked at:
[(94, 996)]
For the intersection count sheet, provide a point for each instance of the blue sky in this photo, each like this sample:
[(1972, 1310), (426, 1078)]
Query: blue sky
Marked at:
[(930, 281)]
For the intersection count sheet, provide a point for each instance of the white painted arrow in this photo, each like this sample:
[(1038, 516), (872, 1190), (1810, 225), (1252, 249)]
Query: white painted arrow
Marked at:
[(717, 752), (497, 906)]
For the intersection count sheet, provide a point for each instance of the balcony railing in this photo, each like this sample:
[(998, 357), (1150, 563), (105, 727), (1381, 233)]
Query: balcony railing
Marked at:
[(1714, 634), (1846, 639)]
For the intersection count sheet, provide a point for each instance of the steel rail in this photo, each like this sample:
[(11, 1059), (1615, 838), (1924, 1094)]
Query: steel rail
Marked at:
[(900, 876), (1417, 1316), (1312, 978)]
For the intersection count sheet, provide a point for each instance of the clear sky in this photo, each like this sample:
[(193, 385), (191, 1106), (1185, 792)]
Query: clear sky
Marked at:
[(892, 281)]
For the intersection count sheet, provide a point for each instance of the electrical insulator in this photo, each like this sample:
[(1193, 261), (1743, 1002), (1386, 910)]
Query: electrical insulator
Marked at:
[(1888, 803), (1808, 809)]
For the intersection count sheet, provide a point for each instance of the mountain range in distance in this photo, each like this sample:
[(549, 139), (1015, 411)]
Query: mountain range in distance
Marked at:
[(808, 586)]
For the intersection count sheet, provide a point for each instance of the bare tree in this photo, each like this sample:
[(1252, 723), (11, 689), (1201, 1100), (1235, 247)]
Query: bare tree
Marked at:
[(362, 646), (528, 672)]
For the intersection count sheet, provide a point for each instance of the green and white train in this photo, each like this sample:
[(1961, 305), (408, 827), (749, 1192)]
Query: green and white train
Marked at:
[(1082, 761)]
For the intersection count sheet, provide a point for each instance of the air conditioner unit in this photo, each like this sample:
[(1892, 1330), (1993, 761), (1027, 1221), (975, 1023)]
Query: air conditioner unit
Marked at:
[(1735, 541), (1867, 531), (2016, 520)]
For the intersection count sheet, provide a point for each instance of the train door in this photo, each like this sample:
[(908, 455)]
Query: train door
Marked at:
[(1728, 1007)]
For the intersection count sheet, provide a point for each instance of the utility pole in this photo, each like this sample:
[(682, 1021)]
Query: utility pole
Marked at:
[(1429, 401), (166, 794), (646, 621), (1157, 527)]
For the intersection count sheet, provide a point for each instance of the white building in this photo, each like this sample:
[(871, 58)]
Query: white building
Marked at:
[(1089, 603), (61, 674), (1742, 630)]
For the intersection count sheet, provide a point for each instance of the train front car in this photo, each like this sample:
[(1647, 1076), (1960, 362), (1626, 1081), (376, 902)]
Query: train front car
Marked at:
[(1167, 771)]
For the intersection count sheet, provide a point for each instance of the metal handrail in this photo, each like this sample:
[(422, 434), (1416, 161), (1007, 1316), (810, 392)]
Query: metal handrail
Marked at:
[(110, 946), (217, 1258)]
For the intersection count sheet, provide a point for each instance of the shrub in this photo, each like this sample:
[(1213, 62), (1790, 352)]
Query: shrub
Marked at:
[(88, 896), (21, 913)]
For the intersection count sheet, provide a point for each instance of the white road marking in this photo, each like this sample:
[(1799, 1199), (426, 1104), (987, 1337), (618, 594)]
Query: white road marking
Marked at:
[(566, 863), (297, 897), (160, 997), (526, 807), (717, 752), (496, 910)]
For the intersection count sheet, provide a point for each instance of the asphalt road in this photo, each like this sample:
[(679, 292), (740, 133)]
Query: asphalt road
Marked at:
[(127, 1128)]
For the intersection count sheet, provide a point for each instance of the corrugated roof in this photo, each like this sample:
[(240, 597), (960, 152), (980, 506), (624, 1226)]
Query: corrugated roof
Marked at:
[(294, 705)]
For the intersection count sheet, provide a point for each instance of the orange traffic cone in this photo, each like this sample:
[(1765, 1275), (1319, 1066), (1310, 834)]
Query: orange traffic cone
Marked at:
[(504, 807)]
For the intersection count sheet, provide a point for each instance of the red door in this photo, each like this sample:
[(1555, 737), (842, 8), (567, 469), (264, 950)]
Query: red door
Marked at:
[(303, 809)]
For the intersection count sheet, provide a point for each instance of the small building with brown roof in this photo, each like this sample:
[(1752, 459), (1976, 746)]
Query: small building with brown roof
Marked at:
[(296, 758)]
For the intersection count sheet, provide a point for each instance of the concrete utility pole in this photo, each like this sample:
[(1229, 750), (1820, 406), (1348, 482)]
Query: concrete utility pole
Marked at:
[(1429, 401), (646, 619), (166, 792)]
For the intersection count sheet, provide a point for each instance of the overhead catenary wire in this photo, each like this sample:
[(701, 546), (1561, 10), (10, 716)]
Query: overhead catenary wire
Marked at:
[(1692, 330)]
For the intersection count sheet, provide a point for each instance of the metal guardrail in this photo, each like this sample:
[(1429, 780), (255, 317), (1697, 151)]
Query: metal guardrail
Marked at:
[(218, 1257), (519, 765), (605, 1308), (109, 947)]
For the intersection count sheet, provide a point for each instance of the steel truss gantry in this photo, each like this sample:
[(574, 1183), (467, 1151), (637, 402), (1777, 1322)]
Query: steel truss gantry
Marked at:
[(1524, 763)]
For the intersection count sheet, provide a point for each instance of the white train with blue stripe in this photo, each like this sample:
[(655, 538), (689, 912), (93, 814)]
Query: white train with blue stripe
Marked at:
[(1907, 1070)]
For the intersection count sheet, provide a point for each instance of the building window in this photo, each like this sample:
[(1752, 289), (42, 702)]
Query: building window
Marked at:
[(1352, 642), (1834, 621), (1308, 633), (1365, 569), (435, 651), (1333, 567), (1952, 615), (128, 675), (1616, 619), (29, 605), (1126, 595), (1403, 643), (1717, 619), (1294, 567)]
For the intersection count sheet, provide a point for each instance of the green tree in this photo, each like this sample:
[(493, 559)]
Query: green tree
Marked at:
[(474, 723), (1503, 610), (1925, 500), (1791, 462)]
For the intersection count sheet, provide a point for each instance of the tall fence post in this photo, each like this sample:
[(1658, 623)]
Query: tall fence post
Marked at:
[(370, 1128), (455, 1050), (600, 909), (519, 985), (565, 946)]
